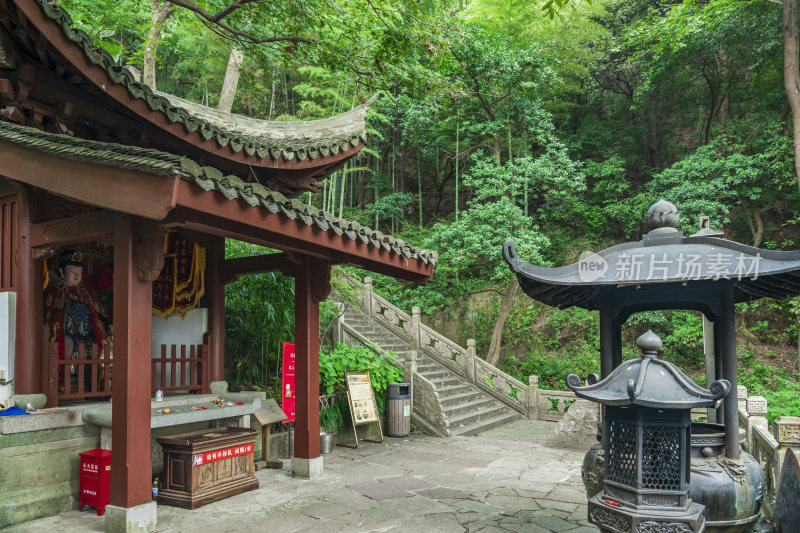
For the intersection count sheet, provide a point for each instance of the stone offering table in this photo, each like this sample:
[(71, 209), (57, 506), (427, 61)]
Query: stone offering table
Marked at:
[(185, 409)]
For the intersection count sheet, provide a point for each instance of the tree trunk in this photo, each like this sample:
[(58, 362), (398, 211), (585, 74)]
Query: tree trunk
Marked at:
[(272, 99), (493, 357), (791, 74), (160, 14), (754, 222), (228, 91), (361, 191), (798, 345)]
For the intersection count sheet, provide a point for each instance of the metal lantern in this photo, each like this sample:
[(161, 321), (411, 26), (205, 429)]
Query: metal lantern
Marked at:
[(647, 430)]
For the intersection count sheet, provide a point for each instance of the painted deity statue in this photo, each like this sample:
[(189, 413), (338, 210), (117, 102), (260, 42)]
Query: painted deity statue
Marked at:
[(72, 313)]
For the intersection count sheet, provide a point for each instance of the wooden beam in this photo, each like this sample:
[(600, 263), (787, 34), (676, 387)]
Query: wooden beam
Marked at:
[(73, 230), (117, 189), (211, 212), (233, 268)]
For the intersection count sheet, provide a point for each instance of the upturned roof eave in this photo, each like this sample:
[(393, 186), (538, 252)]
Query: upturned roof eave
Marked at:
[(227, 196), (754, 272), (301, 151)]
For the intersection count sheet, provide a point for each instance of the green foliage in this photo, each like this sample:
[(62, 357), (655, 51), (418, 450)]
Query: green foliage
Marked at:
[(774, 384), (259, 317), (724, 179), (332, 418), (554, 124), (333, 362), (389, 206)]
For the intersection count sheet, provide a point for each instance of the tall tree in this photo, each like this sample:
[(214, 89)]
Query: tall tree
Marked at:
[(161, 11), (232, 72), (791, 74)]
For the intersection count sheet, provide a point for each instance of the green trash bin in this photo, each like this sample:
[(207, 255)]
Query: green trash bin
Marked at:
[(398, 410)]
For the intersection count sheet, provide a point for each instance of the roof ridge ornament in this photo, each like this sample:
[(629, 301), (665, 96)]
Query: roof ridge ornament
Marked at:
[(705, 229), (649, 344), (662, 217)]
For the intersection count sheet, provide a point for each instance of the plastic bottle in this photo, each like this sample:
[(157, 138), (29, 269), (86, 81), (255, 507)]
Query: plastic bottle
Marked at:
[(155, 489)]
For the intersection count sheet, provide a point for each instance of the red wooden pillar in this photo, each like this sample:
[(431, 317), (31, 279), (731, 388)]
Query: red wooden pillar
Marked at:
[(215, 291), (29, 280), (133, 301), (312, 285)]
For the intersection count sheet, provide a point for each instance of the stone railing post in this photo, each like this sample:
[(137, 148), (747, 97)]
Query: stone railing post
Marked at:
[(741, 392), (339, 332), (787, 433), (756, 407), (416, 324), (409, 370), (368, 296), (469, 361), (533, 397)]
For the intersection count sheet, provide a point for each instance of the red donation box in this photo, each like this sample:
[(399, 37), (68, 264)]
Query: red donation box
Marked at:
[(95, 485), (288, 391)]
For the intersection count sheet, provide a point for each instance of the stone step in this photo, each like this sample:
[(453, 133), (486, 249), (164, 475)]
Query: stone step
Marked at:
[(453, 389), (474, 416), (367, 328), (453, 399), (471, 405), (485, 425), (434, 374), (393, 347), (447, 381), (467, 409)]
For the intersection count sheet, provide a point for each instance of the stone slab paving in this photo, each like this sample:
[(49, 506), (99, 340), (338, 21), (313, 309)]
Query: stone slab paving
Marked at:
[(503, 480)]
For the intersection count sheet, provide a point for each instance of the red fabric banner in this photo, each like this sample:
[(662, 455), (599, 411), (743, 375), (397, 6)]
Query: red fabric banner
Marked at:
[(287, 388)]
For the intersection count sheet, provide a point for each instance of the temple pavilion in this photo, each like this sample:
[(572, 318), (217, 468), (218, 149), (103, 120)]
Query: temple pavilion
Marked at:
[(139, 182)]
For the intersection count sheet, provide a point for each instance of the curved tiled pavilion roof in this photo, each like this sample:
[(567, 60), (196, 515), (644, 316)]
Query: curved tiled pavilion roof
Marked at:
[(291, 156), (208, 179)]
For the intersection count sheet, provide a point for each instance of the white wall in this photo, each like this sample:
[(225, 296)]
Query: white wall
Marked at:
[(175, 330), (8, 335)]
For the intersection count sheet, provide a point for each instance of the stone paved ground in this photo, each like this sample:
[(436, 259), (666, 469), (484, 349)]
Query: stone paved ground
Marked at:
[(501, 481)]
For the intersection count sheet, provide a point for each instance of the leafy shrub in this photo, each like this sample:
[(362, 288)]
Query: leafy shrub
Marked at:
[(333, 362)]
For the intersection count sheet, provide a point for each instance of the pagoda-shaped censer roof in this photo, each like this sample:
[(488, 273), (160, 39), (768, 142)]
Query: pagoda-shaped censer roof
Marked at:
[(649, 382), (664, 256)]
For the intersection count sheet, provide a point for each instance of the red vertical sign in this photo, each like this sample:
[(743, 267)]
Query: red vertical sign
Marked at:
[(287, 389)]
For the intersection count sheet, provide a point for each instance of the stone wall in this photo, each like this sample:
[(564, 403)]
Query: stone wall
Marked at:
[(39, 471)]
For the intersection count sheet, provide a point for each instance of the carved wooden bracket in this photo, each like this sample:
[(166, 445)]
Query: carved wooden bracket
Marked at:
[(320, 282), (151, 256), (43, 252)]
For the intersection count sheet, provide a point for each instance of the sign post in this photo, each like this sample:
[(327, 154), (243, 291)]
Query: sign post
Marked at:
[(361, 400), (266, 416)]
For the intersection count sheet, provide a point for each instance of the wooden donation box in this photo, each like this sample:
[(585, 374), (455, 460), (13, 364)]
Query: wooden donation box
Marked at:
[(207, 465)]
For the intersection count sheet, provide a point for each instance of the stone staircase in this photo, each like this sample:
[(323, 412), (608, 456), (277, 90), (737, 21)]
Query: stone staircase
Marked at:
[(445, 403)]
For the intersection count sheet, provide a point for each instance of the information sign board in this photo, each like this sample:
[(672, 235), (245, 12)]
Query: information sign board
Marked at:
[(362, 398)]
